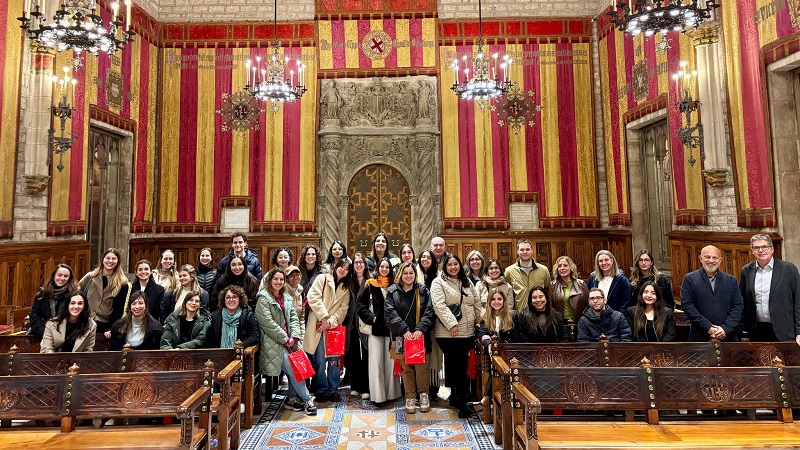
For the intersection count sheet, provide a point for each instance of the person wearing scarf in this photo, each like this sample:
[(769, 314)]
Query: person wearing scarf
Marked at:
[(493, 278), (232, 321), (383, 385), (53, 294)]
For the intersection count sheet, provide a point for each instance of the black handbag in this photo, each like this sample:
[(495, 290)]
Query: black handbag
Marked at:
[(456, 310)]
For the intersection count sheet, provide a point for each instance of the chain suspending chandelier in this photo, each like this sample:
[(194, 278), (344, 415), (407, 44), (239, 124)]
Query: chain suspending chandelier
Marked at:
[(77, 26), (490, 79), (649, 17), (269, 82)]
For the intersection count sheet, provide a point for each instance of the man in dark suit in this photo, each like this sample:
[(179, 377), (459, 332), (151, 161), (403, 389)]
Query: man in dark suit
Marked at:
[(711, 299), (769, 288)]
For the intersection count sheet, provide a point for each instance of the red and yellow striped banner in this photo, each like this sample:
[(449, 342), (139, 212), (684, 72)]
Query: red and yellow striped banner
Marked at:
[(635, 81), (750, 139), (487, 164), (11, 55), (201, 164), (377, 43), (775, 19)]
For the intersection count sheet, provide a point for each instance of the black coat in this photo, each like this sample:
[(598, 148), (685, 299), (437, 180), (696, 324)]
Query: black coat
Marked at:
[(40, 311), (206, 277), (250, 289), (505, 335), (247, 331), (662, 282), (155, 295), (554, 333), (643, 336), (704, 307), (400, 304), (611, 323), (784, 299), (250, 259), (152, 336), (168, 304), (372, 295)]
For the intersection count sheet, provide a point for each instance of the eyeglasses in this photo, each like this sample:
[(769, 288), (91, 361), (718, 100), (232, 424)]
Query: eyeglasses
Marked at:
[(645, 260), (231, 297), (596, 299), (761, 248)]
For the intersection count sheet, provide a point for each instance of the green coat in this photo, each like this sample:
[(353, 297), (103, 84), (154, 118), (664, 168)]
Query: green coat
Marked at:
[(172, 331), (270, 317)]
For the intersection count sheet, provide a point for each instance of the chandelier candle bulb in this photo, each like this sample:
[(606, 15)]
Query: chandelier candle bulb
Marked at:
[(128, 7), (115, 8)]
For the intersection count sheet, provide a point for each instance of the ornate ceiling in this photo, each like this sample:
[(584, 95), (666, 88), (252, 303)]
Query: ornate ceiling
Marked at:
[(300, 10)]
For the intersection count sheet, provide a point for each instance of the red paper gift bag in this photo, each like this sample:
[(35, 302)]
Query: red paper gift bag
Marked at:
[(415, 350), (471, 366), (397, 370), (301, 366), (334, 341)]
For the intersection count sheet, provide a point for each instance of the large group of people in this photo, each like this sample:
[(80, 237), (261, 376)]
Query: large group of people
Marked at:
[(385, 304)]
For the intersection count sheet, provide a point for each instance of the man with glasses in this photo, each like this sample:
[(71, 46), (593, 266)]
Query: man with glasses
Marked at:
[(711, 300), (769, 288), (600, 320)]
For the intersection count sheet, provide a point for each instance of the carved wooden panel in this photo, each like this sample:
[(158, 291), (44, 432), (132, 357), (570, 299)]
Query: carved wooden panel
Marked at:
[(59, 363), (715, 387), (24, 267), (580, 245), (663, 354), (759, 353), (553, 355), (586, 388), (31, 397), (378, 201), (685, 248)]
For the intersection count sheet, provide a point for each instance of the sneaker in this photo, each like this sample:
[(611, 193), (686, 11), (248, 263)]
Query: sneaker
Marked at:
[(365, 396), (424, 403), (294, 404), (411, 406), (334, 397), (354, 393), (321, 397), (311, 408)]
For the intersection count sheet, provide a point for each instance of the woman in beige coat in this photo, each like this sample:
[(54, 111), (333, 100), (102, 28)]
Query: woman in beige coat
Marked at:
[(328, 301), (72, 330), (452, 290)]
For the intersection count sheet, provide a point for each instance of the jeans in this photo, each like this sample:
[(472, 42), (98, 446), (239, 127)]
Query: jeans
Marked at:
[(326, 381), (296, 388)]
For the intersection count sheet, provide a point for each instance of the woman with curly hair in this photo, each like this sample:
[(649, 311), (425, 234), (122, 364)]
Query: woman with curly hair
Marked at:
[(233, 320)]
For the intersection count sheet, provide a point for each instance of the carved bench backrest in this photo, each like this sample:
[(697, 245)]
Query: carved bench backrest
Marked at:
[(665, 354), (58, 363), (134, 393), (586, 388), (23, 397), (717, 387), (746, 354)]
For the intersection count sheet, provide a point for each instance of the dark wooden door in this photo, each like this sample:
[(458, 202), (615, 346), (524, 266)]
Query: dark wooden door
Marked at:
[(378, 202)]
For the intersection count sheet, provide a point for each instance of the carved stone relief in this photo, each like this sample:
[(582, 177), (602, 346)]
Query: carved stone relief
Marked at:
[(391, 121)]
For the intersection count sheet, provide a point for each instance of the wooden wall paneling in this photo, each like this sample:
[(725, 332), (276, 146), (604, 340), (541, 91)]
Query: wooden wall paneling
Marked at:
[(685, 248), (25, 266)]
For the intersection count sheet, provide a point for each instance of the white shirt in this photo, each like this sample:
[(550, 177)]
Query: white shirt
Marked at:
[(605, 284), (761, 288)]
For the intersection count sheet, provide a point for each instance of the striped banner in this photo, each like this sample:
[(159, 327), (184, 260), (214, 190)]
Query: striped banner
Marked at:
[(377, 44), (489, 164), (636, 81), (776, 19), (11, 55), (201, 164), (747, 109)]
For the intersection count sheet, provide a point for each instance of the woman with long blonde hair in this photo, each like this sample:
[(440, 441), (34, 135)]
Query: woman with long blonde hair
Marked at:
[(497, 320), (568, 292), (107, 290)]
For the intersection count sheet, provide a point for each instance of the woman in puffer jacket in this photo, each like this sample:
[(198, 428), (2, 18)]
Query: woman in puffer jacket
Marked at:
[(453, 294)]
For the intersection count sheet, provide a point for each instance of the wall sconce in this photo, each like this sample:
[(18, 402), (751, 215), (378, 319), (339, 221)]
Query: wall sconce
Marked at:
[(62, 111), (690, 135)]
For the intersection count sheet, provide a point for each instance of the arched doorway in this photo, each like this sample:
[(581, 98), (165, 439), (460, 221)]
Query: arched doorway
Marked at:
[(378, 201), (104, 182)]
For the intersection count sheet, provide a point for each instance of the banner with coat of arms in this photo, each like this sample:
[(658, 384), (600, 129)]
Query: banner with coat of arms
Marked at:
[(377, 44)]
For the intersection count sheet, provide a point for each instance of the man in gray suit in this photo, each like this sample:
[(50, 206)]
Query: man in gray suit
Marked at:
[(769, 288)]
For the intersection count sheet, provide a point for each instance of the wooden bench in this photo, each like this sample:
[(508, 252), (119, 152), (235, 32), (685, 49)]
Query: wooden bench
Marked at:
[(15, 362), (67, 397), (647, 388), (30, 344)]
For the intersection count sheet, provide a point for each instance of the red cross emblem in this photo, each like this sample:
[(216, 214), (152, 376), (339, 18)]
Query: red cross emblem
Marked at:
[(377, 45)]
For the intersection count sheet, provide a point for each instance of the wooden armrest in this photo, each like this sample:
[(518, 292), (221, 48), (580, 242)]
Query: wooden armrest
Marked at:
[(194, 401), (225, 375), (526, 398), (501, 365), (252, 350)]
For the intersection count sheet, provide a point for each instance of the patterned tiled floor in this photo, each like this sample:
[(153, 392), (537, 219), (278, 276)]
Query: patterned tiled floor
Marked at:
[(354, 424)]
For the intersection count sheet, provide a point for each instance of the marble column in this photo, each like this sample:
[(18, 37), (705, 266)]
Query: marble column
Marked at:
[(711, 92)]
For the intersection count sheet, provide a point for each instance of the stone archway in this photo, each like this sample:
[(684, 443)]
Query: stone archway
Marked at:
[(379, 121)]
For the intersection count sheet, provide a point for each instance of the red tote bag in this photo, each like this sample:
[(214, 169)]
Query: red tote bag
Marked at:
[(334, 341), (414, 350), (301, 366)]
